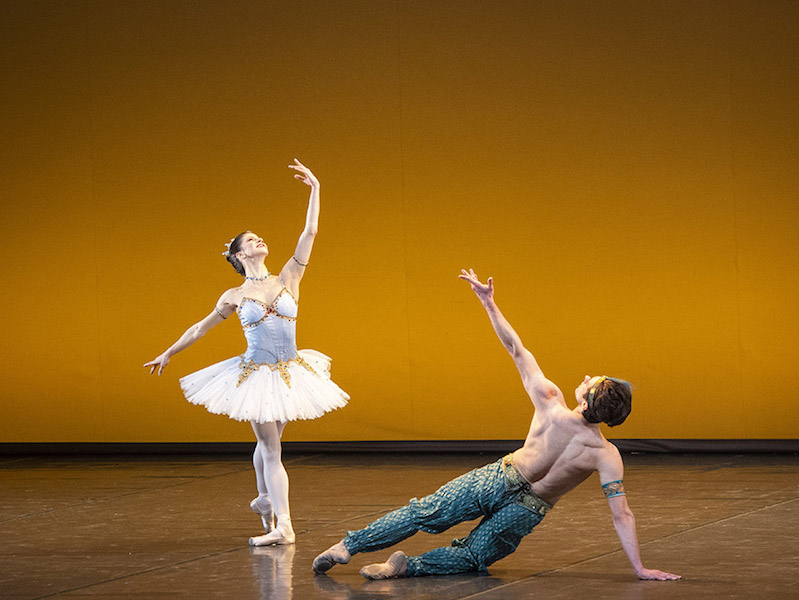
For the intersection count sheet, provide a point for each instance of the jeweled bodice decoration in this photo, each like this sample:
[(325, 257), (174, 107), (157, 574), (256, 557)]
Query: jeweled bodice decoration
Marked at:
[(270, 331)]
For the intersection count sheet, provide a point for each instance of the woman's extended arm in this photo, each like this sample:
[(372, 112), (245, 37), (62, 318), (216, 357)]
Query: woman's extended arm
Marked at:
[(221, 311)]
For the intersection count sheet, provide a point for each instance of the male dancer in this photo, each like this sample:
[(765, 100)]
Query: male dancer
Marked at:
[(512, 495)]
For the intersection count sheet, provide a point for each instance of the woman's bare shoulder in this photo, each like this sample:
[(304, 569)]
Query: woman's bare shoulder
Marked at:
[(232, 296)]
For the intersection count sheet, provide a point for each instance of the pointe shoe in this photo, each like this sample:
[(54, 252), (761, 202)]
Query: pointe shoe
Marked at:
[(277, 537), (263, 508)]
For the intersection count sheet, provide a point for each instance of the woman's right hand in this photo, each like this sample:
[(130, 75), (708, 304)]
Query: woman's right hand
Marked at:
[(159, 363), (304, 174)]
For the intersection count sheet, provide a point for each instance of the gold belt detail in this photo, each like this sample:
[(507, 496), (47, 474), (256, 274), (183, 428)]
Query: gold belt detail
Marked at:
[(527, 497)]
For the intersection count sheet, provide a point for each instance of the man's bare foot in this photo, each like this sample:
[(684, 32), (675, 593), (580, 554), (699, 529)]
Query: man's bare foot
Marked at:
[(336, 554), (395, 566)]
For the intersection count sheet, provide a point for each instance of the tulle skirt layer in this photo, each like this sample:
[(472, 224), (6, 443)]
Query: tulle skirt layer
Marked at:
[(297, 389)]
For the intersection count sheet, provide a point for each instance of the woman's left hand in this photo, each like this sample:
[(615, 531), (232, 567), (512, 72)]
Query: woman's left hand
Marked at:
[(304, 174), (484, 291)]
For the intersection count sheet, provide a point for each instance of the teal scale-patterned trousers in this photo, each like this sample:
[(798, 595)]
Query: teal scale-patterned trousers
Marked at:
[(496, 492)]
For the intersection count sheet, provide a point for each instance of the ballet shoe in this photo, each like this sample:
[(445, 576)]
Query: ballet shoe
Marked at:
[(264, 510), (277, 537), (395, 566), (334, 555)]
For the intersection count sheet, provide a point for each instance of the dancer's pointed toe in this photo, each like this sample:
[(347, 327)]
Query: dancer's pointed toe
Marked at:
[(278, 537), (322, 563), (337, 554), (262, 507)]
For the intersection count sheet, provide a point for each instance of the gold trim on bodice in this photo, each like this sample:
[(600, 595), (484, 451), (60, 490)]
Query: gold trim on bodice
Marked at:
[(269, 309), (282, 366)]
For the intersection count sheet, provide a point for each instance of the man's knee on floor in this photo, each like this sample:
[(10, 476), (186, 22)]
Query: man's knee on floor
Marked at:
[(447, 560), (496, 537)]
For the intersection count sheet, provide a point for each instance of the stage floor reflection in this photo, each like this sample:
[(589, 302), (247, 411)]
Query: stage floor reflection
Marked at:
[(177, 527)]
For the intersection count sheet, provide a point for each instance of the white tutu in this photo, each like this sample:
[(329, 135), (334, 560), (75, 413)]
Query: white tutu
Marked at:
[(297, 389)]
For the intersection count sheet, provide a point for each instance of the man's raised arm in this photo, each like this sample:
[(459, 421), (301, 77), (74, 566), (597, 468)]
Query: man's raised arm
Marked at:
[(539, 388)]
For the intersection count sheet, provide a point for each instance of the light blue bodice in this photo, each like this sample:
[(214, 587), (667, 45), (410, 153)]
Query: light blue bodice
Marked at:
[(270, 329)]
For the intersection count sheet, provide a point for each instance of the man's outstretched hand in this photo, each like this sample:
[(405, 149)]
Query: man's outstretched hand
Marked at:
[(484, 291), (654, 574)]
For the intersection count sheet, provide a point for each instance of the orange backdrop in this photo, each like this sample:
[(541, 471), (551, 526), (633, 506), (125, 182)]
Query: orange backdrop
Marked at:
[(626, 171)]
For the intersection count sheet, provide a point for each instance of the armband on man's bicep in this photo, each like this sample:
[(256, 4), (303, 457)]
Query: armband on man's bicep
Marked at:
[(613, 489)]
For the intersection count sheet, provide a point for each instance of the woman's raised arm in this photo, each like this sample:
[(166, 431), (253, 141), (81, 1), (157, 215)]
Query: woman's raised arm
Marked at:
[(295, 268)]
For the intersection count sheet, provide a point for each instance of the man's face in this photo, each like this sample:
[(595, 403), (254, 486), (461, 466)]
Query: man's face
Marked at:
[(582, 389)]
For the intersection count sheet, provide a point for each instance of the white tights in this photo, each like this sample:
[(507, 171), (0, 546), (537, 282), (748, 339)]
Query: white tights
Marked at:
[(270, 475)]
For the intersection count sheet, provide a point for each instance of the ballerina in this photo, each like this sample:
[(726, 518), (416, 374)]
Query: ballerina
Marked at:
[(271, 383)]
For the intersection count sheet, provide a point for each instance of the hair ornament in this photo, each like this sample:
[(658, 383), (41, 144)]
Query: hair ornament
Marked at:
[(227, 245)]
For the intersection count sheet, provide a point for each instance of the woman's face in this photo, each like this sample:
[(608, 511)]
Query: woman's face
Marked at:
[(253, 245)]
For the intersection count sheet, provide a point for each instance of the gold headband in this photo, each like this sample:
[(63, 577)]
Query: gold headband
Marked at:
[(590, 397), (592, 391)]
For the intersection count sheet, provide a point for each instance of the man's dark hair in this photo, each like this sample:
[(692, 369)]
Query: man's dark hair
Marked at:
[(235, 246), (609, 401)]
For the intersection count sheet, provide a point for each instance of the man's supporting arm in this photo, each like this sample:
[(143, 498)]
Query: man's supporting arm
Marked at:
[(624, 522), (611, 473)]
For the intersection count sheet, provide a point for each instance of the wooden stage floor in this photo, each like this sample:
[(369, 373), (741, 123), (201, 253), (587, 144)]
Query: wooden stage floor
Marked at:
[(177, 527)]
